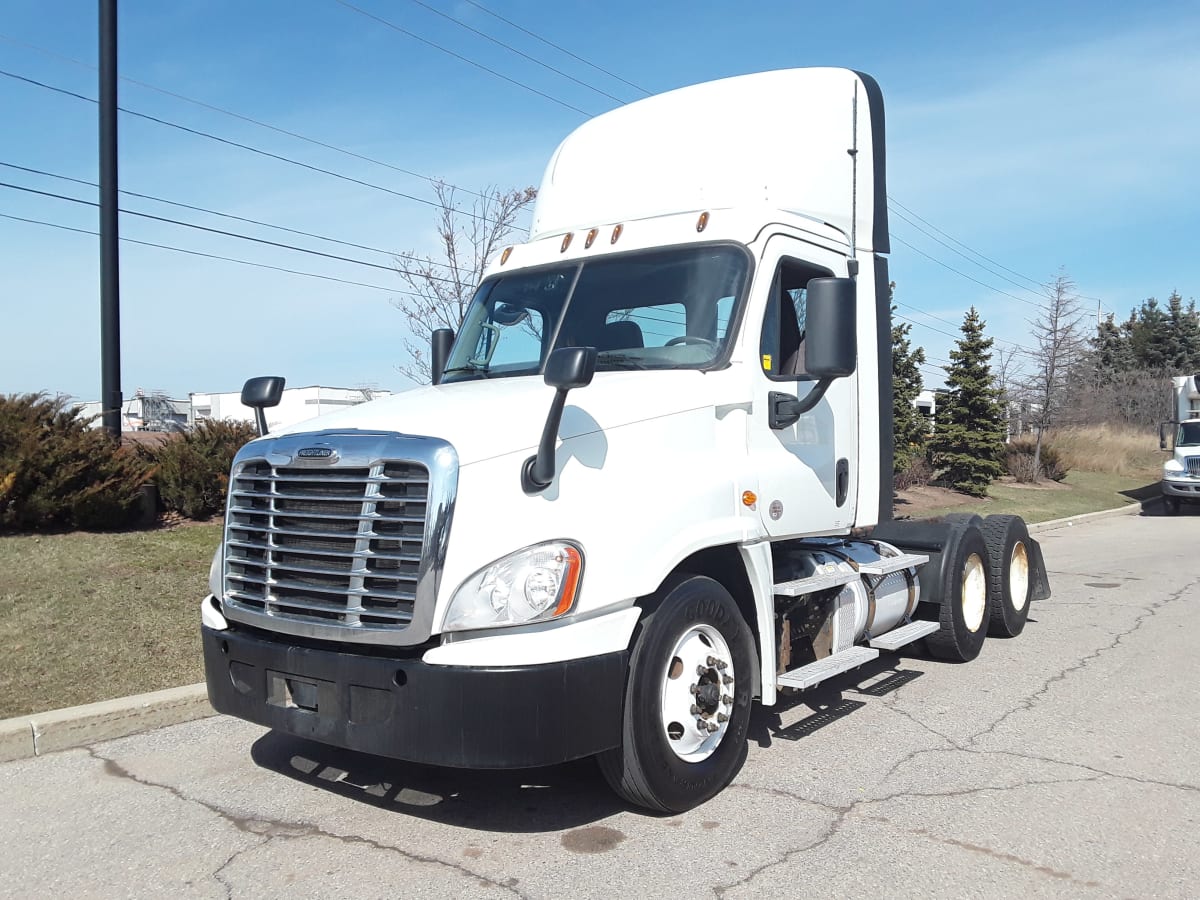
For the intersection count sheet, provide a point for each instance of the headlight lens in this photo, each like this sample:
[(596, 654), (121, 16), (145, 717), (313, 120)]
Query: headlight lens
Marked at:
[(1173, 467), (531, 585)]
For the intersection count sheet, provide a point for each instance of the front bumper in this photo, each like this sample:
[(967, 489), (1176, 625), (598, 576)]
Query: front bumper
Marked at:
[(468, 717), (1187, 490)]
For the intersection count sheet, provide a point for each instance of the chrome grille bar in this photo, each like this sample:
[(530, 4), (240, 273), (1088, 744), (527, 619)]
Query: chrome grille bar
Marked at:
[(338, 550)]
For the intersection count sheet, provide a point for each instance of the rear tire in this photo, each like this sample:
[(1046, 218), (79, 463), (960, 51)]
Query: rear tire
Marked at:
[(671, 758), (964, 597), (1010, 585)]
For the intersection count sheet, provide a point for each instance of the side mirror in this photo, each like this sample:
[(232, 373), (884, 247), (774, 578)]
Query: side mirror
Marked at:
[(261, 393), (830, 340), (1162, 434), (566, 369), (571, 367), (441, 342)]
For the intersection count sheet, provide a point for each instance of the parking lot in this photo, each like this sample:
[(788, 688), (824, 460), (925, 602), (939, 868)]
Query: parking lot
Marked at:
[(1060, 763)]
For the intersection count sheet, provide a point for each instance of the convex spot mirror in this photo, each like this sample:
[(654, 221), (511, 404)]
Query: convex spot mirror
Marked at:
[(830, 340)]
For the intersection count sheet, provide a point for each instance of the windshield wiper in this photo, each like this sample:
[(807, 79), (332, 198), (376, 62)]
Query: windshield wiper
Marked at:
[(620, 361)]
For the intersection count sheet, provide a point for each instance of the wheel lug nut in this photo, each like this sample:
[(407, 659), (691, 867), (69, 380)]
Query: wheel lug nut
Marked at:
[(701, 671), (721, 717), (712, 726), (695, 710), (727, 700), (726, 679), (692, 688)]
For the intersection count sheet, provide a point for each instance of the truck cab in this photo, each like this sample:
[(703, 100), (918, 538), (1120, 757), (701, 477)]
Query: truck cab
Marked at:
[(635, 498), (1181, 473)]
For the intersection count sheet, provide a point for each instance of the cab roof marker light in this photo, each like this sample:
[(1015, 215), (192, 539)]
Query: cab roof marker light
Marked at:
[(505, 255), (566, 242), (617, 229), (702, 222), (591, 237)]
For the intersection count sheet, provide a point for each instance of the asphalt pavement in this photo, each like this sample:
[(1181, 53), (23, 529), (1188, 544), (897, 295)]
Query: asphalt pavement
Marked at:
[(1062, 763)]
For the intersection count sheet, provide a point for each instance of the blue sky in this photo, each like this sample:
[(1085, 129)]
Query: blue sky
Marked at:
[(1042, 135)]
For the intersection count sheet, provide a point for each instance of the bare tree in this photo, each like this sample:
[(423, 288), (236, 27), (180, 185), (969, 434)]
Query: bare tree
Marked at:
[(1058, 346), (441, 289), (1006, 373)]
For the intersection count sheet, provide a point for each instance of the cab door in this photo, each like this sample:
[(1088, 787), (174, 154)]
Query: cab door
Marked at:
[(807, 472)]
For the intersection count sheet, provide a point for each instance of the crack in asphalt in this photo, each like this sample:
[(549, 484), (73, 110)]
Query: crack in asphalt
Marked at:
[(1032, 700), (270, 829), (988, 851), (842, 813)]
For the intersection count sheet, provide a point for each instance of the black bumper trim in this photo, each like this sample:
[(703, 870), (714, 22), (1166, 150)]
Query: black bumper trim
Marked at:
[(482, 718)]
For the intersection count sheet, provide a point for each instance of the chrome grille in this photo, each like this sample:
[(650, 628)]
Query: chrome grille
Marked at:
[(338, 547), (1193, 464)]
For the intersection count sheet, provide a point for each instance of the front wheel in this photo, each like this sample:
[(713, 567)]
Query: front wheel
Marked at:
[(687, 700), (1009, 583), (964, 596), (1170, 505)]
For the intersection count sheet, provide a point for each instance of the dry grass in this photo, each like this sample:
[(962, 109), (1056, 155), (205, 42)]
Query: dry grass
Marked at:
[(87, 617), (1109, 449)]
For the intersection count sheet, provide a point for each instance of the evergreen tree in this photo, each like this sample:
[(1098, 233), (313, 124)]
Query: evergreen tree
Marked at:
[(1184, 342), (969, 433), (909, 426), (1150, 340), (1109, 353)]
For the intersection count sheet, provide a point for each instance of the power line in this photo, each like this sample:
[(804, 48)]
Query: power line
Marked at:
[(520, 53), (557, 47), (244, 262), (244, 118), (225, 215), (458, 56), (964, 246), (241, 146), (952, 249), (962, 273), (233, 234)]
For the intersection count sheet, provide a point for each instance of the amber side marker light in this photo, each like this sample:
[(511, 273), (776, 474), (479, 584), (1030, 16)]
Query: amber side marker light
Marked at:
[(749, 498), (591, 237), (505, 255), (617, 229), (702, 222), (566, 242), (571, 584)]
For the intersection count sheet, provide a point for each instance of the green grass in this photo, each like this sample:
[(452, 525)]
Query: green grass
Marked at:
[(1084, 492), (87, 617)]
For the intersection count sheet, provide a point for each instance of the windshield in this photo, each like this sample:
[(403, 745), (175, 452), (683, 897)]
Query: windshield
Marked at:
[(1189, 434), (666, 309)]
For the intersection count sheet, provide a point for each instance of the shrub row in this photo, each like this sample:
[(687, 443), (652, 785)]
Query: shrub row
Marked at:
[(192, 469), (58, 472)]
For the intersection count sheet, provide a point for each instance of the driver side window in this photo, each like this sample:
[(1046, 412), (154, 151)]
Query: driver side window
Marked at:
[(781, 348)]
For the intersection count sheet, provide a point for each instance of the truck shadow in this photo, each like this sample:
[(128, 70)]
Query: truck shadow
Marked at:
[(515, 801)]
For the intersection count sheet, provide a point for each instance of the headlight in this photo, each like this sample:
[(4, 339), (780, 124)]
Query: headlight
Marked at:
[(531, 585), (1173, 467)]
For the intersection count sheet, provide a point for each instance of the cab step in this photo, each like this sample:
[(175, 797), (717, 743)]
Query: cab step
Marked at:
[(889, 564), (835, 577), (905, 634), (815, 673)]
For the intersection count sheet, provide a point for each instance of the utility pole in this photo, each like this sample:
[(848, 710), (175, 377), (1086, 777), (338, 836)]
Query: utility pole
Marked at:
[(110, 269)]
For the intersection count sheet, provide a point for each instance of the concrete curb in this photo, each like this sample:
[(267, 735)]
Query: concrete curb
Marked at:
[(79, 726), (1128, 510)]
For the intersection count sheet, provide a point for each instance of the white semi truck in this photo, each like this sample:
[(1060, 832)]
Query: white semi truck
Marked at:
[(650, 484), (1181, 473)]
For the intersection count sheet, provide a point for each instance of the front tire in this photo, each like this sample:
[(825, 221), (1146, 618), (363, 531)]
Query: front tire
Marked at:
[(1170, 505), (1010, 584), (687, 700)]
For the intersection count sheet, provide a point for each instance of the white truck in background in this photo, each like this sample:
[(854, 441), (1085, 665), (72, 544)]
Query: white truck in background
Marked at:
[(650, 484), (1181, 473)]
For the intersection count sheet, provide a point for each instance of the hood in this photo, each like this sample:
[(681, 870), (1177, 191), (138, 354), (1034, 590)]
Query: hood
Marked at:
[(488, 418)]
